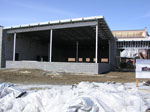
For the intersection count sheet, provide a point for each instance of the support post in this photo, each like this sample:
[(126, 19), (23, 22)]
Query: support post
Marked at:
[(77, 44), (96, 50), (137, 82), (50, 55), (14, 47)]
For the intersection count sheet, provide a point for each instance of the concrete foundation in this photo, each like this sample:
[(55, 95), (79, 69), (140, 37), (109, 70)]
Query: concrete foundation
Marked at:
[(92, 68)]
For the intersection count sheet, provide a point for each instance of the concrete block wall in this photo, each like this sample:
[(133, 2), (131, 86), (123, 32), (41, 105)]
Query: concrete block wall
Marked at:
[(27, 48), (5, 50), (91, 68), (113, 51), (8, 46), (103, 67)]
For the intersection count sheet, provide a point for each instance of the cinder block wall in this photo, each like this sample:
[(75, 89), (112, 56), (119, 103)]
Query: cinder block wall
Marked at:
[(104, 67), (91, 68), (8, 46), (27, 48), (113, 51)]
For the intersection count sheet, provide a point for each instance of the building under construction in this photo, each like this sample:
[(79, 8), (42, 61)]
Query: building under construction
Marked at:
[(82, 45), (132, 45)]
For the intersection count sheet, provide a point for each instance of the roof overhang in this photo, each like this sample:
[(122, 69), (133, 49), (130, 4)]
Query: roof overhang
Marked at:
[(69, 23)]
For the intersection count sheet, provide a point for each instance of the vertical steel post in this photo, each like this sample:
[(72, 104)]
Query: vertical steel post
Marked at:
[(51, 36), (14, 47), (96, 50)]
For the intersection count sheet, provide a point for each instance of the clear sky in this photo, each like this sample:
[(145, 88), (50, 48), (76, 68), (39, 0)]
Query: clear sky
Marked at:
[(119, 14)]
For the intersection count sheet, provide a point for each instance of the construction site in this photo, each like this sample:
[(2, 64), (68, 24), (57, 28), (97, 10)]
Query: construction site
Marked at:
[(131, 45), (81, 45)]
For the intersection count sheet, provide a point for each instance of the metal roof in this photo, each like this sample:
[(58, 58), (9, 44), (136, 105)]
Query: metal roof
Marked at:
[(104, 30), (56, 22)]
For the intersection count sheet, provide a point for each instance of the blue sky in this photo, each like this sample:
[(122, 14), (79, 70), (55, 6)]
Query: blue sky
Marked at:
[(119, 14)]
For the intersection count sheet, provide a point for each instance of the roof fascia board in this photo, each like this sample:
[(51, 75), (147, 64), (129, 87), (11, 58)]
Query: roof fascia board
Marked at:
[(48, 27), (57, 22)]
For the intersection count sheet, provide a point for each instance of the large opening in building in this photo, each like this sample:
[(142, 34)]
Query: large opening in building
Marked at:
[(74, 45), (68, 45), (32, 46)]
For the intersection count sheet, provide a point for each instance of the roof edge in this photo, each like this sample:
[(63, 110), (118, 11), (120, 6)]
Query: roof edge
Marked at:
[(57, 22), (129, 30)]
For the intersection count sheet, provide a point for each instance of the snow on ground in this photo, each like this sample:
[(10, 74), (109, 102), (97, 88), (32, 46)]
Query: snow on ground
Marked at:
[(84, 97)]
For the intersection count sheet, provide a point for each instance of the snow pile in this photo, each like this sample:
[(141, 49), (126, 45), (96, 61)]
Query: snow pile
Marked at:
[(84, 97)]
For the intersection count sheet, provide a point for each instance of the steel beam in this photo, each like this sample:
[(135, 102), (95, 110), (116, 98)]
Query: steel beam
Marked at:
[(47, 27)]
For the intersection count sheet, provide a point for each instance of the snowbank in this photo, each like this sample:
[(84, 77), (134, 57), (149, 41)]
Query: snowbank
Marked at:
[(84, 97)]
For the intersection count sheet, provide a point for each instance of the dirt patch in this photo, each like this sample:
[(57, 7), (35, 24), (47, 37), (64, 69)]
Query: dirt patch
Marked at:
[(34, 76)]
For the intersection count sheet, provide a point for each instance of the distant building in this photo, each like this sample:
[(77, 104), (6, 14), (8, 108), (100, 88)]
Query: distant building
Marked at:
[(132, 44)]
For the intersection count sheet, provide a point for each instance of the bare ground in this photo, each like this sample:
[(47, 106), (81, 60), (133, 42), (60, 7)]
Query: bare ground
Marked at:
[(36, 76)]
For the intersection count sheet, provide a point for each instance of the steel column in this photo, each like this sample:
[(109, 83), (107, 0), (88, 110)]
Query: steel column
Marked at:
[(51, 36), (96, 50), (77, 44), (14, 47)]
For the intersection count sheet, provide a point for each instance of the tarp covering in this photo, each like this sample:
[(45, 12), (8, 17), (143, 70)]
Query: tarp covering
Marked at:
[(88, 104), (129, 53), (83, 97), (8, 88)]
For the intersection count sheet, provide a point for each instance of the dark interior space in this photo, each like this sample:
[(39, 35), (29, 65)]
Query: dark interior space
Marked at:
[(68, 45)]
